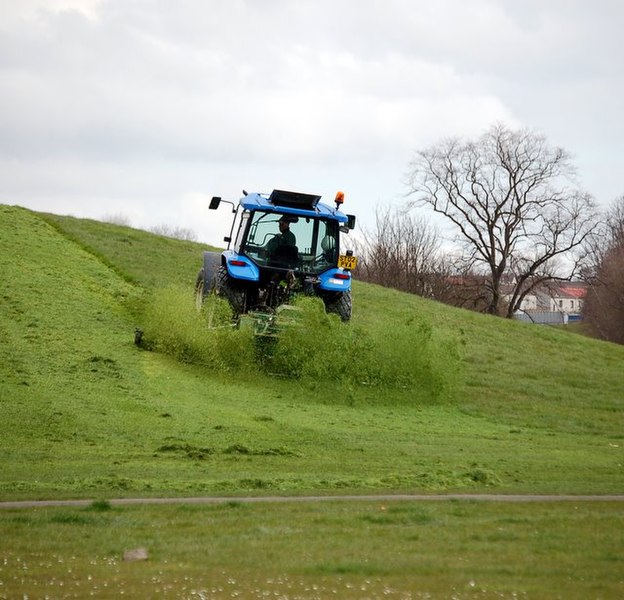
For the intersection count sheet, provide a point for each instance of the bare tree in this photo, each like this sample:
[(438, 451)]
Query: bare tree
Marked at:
[(116, 219), (175, 232), (465, 289), (507, 198), (615, 223), (401, 252), (604, 305)]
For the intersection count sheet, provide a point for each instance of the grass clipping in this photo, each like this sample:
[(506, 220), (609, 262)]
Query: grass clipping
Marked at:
[(316, 348)]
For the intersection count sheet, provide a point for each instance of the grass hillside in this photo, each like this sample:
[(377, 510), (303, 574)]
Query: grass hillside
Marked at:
[(411, 396)]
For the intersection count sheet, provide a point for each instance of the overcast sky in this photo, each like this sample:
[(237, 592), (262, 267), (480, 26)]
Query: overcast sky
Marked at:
[(147, 108)]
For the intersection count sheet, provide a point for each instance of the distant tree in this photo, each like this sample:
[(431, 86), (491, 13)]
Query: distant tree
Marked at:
[(117, 219), (466, 289), (506, 196), (175, 232), (401, 252), (604, 306)]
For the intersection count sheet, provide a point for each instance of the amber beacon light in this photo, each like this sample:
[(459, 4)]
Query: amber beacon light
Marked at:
[(339, 199)]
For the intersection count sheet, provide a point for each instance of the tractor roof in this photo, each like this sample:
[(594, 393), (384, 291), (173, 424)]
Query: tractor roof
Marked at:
[(292, 203)]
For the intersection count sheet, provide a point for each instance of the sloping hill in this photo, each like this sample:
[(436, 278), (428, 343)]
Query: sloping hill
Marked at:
[(140, 257), (85, 412), (523, 372)]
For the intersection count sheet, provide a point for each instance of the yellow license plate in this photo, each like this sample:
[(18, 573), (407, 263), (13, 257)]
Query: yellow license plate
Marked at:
[(347, 262)]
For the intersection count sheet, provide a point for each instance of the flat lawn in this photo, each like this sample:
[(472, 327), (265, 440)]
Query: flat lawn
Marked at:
[(335, 549)]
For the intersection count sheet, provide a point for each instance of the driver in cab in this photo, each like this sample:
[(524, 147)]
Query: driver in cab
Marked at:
[(284, 238)]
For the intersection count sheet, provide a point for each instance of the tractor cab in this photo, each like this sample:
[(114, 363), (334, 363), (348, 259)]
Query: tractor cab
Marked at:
[(303, 244), (279, 244)]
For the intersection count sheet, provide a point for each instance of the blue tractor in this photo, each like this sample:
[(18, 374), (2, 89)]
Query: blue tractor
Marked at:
[(280, 245)]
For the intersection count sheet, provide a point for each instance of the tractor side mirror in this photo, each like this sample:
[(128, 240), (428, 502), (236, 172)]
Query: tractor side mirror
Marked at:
[(351, 221), (214, 203)]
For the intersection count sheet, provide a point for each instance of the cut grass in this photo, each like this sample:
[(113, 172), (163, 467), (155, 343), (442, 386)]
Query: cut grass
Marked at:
[(317, 550), (315, 348)]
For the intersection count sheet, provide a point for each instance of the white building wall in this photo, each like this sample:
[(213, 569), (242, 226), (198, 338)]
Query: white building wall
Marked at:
[(566, 305)]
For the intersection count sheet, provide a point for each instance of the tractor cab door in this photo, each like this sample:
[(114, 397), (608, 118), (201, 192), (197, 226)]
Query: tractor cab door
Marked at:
[(241, 232)]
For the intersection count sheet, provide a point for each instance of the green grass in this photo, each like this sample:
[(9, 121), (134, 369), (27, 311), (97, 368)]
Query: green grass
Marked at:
[(133, 253), (412, 396), (318, 550)]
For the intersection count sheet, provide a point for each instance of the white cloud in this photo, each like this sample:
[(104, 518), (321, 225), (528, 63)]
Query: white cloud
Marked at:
[(151, 107), (31, 10)]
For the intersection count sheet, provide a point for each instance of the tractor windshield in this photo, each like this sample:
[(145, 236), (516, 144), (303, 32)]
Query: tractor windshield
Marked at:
[(304, 244)]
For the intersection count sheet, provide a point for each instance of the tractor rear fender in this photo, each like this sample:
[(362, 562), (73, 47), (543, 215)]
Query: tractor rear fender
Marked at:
[(240, 267), (335, 280)]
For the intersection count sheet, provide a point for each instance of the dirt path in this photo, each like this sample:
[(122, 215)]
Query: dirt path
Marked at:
[(348, 498)]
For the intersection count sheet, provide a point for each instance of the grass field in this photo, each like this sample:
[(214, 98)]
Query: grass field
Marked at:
[(411, 396), (320, 550)]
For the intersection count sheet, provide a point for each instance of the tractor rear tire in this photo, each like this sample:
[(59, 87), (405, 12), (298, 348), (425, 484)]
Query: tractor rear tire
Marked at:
[(206, 281), (339, 303), (234, 293), (203, 288)]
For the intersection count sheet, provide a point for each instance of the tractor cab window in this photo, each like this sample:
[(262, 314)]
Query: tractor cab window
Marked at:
[(280, 241)]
